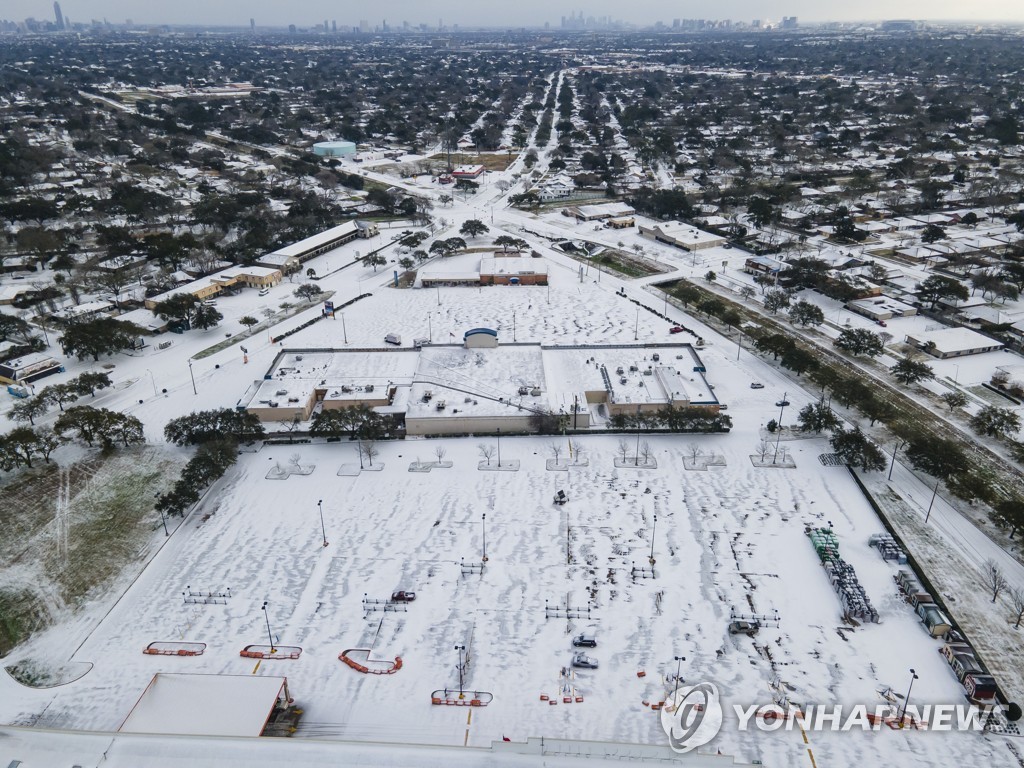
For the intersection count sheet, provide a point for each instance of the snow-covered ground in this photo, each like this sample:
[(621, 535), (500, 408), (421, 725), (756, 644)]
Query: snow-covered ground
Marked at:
[(731, 538), (728, 538)]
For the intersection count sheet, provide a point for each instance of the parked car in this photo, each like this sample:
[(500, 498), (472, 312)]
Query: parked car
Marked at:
[(881, 323), (584, 641), (393, 338), (748, 628), (756, 385), (584, 662), (403, 597), (675, 329), (782, 403)]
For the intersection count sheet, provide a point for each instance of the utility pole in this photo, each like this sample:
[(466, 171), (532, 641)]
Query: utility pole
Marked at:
[(193, 377)]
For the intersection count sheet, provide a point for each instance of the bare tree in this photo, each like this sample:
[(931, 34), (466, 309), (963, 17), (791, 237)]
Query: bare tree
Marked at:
[(556, 451), (992, 578), (575, 450), (623, 449), (367, 449), (762, 448), (440, 451), (694, 450), (645, 451), (487, 451), (1017, 596)]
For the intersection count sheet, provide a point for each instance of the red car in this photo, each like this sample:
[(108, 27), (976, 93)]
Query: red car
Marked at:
[(675, 329), (403, 597)]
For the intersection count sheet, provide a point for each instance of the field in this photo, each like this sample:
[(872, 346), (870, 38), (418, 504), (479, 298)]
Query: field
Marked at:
[(57, 555)]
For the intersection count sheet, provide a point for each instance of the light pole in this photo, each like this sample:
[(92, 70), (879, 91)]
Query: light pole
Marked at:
[(679, 665), (906, 701), (636, 326), (269, 633), (778, 438), (935, 493), (163, 519), (152, 378), (654, 530), (460, 649), (636, 456), (499, 447), (899, 444), (344, 332), (193, 377), (513, 332), (483, 529), (323, 529)]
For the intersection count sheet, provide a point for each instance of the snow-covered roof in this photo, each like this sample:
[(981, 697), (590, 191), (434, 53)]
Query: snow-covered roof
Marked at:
[(205, 705), (950, 341), (319, 240)]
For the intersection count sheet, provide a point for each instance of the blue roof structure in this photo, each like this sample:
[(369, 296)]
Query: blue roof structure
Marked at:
[(474, 331)]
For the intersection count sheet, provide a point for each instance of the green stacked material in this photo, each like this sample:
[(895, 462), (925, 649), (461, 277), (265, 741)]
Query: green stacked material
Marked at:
[(825, 543)]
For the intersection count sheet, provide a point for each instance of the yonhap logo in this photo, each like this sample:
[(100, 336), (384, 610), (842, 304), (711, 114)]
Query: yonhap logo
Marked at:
[(693, 717)]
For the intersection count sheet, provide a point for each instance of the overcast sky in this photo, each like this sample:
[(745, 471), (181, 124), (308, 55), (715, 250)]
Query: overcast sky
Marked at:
[(483, 12)]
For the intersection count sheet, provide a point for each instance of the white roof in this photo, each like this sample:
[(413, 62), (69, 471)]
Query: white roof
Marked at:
[(205, 705), (949, 340), (318, 240)]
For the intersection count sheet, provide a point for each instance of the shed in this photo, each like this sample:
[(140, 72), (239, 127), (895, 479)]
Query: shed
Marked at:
[(933, 619), (207, 705), (480, 337)]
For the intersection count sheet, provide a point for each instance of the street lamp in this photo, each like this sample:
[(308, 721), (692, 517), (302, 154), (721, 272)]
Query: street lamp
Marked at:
[(775, 456), (460, 649), (499, 447), (323, 530), (193, 376), (163, 519), (892, 464), (269, 633), (906, 701), (483, 528), (679, 665), (152, 378), (654, 530), (931, 503)]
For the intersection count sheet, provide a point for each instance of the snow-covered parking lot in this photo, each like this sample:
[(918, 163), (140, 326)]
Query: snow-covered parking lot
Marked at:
[(729, 538)]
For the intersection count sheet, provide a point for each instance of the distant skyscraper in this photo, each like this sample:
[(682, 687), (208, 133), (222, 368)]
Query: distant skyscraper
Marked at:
[(334, 25), (252, 25), (291, 29), (59, 16)]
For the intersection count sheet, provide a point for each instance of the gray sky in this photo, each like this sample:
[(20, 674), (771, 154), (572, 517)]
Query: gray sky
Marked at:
[(522, 12)]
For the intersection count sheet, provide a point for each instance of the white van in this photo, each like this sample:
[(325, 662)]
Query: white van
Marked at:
[(393, 338), (264, 291)]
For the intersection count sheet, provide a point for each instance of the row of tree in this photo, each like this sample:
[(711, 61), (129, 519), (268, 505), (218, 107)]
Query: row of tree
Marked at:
[(217, 434)]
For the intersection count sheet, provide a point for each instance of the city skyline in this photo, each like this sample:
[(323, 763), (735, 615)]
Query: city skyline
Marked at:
[(530, 13)]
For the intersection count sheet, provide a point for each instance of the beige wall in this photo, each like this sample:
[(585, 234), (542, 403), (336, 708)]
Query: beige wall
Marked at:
[(461, 425)]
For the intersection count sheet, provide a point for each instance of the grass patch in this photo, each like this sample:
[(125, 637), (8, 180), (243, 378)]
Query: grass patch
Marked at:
[(21, 613), (621, 263), (109, 523)]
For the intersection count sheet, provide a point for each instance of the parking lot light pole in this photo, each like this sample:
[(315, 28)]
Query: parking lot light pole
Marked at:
[(654, 530), (460, 649), (906, 701), (270, 635), (679, 666), (483, 528), (193, 377), (323, 529)]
